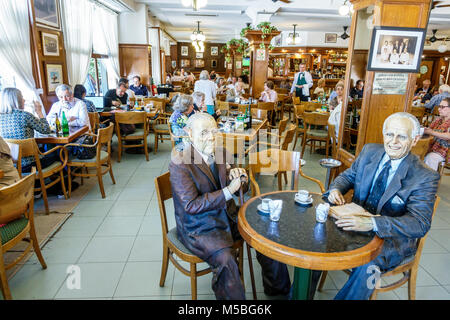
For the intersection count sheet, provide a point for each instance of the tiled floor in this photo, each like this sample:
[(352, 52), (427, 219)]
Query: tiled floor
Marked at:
[(116, 243)]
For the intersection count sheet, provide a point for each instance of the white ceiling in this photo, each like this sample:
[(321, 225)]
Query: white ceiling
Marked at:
[(230, 17)]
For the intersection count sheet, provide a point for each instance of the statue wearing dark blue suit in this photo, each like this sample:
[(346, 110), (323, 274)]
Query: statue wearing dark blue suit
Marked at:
[(402, 207)]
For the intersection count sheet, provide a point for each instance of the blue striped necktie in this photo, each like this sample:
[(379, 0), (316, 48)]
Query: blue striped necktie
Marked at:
[(378, 189)]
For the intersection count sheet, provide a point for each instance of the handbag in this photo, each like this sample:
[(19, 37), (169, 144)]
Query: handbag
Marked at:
[(84, 153)]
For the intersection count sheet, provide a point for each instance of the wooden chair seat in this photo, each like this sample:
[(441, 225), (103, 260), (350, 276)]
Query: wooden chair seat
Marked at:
[(103, 158), (139, 134), (17, 213), (312, 135), (317, 133)]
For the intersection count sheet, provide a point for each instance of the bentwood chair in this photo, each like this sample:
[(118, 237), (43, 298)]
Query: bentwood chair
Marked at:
[(29, 148), (270, 107), (173, 247), (101, 160), (408, 267), (300, 126), (310, 135), (139, 134), (421, 148), (419, 113), (161, 129), (223, 106), (17, 215), (445, 165)]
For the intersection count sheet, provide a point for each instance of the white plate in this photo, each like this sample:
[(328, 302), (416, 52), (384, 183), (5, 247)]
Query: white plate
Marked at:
[(306, 202), (259, 207)]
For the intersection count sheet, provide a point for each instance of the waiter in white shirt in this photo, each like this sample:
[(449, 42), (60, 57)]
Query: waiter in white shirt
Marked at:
[(74, 109), (302, 83)]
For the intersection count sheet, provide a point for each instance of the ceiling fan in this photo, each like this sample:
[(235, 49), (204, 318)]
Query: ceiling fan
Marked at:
[(435, 4), (285, 1), (433, 38), (344, 35)]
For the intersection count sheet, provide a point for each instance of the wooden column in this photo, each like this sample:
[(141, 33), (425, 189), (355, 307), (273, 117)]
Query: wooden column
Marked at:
[(376, 108), (260, 59)]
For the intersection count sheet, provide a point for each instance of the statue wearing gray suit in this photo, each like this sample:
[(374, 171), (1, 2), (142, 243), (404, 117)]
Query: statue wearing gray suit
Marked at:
[(398, 189)]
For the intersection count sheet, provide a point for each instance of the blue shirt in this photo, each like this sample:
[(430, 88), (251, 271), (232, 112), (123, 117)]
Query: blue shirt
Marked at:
[(139, 91), (394, 166), (436, 100)]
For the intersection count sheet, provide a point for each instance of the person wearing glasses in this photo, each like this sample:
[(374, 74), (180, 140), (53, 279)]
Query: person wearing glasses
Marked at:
[(203, 180), (440, 130)]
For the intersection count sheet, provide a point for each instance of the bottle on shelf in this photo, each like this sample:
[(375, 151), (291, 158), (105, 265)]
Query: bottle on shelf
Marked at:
[(57, 126), (65, 125)]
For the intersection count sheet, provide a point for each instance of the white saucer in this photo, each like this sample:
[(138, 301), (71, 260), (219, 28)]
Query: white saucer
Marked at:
[(306, 202), (259, 207)]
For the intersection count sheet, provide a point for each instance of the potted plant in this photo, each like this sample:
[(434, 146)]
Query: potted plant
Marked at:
[(265, 30)]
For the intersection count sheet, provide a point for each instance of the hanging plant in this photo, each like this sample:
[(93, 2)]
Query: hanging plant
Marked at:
[(266, 28), (244, 30), (228, 58)]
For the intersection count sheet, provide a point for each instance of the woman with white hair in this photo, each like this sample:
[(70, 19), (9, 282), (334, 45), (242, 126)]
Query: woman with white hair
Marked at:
[(15, 123), (207, 87), (199, 104), (183, 109)]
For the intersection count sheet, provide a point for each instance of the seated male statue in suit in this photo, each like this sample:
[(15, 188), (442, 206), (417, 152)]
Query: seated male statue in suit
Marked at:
[(398, 189), (203, 183)]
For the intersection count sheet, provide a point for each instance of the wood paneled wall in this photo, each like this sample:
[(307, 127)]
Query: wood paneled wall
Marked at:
[(207, 57), (135, 59)]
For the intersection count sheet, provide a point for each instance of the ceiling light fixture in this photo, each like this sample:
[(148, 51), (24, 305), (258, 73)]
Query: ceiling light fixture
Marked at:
[(346, 9), (443, 47), (293, 38), (198, 39), (195, 4)]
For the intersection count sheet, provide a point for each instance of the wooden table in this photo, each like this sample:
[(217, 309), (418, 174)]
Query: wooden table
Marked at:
[(74, 133), (247, 135), (1, 174), (298, 240), (150, 114)]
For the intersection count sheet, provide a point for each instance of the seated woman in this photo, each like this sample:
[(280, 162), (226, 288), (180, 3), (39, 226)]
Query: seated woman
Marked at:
[(268, 95), (221, 86), (79, 92), (10, 174), (183, 108), (200, 105), (18, 124), (336, 107), (440, 129), (320, 90)]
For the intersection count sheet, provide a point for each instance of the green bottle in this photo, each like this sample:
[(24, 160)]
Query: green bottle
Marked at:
[(65, 125)]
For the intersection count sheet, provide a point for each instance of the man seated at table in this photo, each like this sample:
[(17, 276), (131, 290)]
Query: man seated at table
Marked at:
[(358, 90), (444, 92), (10, 174), (398, 189), (203, 183), (115, 97), (74, 109), (425, 93), (138, 88)]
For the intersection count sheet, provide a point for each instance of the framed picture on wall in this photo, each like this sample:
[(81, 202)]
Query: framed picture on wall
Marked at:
[(50, 44), (47, 13), (199, 63), (174, 64), (184, 51), (54, 74), (396, 49), (185, 63), (214, 51), (199, 55), (330, 37), (213, 64), (239, 64)]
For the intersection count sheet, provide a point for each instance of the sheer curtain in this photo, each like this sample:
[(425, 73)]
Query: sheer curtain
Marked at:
[(15, 52), (156, 57), (78, 28), (106, 23)]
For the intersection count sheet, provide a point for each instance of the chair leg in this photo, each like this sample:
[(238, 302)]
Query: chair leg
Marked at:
[(250, 266), (111, 173), (44, 196), (100, 182), (412, 284), (119, 152), (323, 278), (327, 146), (194, 281), (156, 143), (63, 185), (303, 146), (165, 265), (69, 179), (37, 249), (280, 187), (145, 148), (295, 139), (3, 279), (285, 177)]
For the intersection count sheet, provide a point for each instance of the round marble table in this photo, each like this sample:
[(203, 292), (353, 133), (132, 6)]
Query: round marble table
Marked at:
[(298, 240)]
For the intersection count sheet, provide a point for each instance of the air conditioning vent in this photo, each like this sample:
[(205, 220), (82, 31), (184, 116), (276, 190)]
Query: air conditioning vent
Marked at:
[(200, 15)]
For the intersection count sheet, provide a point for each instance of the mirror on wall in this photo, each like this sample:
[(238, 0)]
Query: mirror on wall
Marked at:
[(358, 66)]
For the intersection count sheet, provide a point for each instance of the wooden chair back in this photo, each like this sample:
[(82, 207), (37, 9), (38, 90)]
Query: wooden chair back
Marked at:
[(222, 105), (163, 192), (317, 119), (173, 94), (94, 120), (178, 83), (221, 97), (25, 148), (282, 125), (419, 113), (273, 161), (259, 114), (269, 106), (104, 137), (15, 199), (445, 165), (287, 137), (311, 106), (296, 100), (158, 103), (421, 148), (130, 117), (281, 90)]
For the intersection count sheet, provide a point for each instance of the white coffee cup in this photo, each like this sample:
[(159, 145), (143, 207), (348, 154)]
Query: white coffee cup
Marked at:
[(422, 129), (265, 205), (302, 195)]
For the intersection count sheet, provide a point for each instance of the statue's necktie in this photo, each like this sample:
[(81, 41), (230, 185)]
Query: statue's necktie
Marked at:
[(378, 189)]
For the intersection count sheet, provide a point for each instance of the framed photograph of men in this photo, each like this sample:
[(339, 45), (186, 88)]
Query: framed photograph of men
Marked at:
[(184, 51), (214, 51), (50, 44), (396, 49), (47, 13)]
